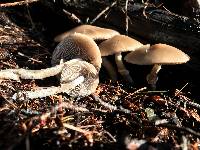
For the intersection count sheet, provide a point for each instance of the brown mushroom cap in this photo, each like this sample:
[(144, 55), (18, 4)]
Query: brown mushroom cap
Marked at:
[(157, 54), (117, 44), (77, 46), (94, 32)]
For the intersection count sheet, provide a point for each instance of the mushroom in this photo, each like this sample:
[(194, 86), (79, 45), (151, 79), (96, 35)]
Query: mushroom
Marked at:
[(94, 32), (116, 45), (79, 75), (157, 55), (78, 78), (98, 34), (80, 46), (83, 47), (79, 72)]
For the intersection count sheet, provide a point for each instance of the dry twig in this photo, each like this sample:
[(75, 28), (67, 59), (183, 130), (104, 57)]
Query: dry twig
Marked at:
[(17, 3), (72, 16), (35, 60), (103, 11), (126, 15)]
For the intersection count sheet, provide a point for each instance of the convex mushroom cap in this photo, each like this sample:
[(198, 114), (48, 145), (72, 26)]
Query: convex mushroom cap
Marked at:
[(157, 54), (77, 46), (94, 32), (118, 44)]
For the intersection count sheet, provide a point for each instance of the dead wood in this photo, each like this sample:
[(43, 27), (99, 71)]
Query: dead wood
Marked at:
[(157, 26)]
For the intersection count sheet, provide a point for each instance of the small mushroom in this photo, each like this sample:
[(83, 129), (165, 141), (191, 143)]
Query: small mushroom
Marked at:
[(157, 55), (82, 47), (116, 45), (94, 32)]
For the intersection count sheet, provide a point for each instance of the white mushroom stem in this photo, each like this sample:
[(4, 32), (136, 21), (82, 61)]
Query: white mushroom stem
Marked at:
[(47, 91), (110, 69), (6, 74), (15, 74), (122, 69), (40, 74), (152, 76)]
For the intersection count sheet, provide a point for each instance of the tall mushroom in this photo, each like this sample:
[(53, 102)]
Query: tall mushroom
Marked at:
[(116, 45), (97, 34), (157, 55), (83, 47)]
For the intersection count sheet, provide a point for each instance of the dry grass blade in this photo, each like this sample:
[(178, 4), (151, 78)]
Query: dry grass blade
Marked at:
[(35, 60), (185, 129), (88, 134), (126, 16), (74, 107)]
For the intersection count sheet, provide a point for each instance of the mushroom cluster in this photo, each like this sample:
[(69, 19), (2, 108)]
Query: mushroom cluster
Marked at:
[(97, 34), (115, 44), (77, 60)]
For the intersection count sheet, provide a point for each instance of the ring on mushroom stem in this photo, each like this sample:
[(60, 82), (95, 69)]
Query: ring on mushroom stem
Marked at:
[(116, 45), (157, 55)]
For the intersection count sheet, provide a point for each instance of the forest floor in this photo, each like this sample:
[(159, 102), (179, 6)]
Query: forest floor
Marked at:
[(125, 117)]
